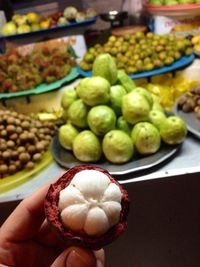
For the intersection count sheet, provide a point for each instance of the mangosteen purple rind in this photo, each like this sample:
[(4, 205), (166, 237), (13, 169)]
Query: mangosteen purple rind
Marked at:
[(81, 239)]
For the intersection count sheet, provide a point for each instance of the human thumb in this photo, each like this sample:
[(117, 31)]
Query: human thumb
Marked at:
[(75, 257)]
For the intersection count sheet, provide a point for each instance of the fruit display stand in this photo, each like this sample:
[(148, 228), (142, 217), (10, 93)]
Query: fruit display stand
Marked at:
[(42, 35), (176, 19)]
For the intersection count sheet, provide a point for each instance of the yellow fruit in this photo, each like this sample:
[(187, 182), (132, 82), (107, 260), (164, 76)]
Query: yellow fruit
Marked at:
[(196, 39), (24, 28), (9, 28), (197, 48), (44, 24), (32, 17)]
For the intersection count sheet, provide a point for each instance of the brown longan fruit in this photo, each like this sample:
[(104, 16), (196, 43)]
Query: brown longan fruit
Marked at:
[(46, 130), (18, 129), (3, 133), (10, 128), (45, 143), (21, 149), (34, 130), (14, 114), (41, 131), (3, 168), (18, 164), (37, 157), (21, 117), (39, 147), (29, 165), (25, 125), (3, 146), (10, 120), (31, 149), (38, 124), (41, 136), (24, 157), (30, 136), (13, 136), (17, 122), (14, 154), (6, 154), (23, 137), (12, 169), (11, 144), (48, 137)]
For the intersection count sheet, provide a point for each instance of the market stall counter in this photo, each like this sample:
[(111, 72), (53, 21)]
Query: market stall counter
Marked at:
[(183, 162), (164, 213)]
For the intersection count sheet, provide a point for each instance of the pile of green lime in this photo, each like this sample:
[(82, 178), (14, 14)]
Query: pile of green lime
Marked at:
[(138, 52), (107, 115)]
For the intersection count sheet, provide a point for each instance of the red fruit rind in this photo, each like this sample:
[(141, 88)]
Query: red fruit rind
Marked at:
[(81, 239)]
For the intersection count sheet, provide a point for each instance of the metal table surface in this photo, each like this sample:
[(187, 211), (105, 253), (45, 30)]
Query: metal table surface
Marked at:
[(185, 161)]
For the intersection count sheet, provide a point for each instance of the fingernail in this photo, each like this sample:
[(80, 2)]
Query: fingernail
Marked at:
[(99, 263), (80, 258)]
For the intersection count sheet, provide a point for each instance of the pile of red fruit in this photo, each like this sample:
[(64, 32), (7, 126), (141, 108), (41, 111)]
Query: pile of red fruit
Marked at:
[(43, 65)]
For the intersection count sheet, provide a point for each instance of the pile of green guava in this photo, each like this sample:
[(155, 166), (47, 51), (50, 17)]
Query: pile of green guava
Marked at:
[(108, 115)]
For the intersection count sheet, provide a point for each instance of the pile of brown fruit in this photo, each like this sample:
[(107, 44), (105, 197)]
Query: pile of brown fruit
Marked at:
[(20, 72), (140, 52), (191, 102), (23, 141)]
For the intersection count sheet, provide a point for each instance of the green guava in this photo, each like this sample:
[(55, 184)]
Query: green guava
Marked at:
[(123, 125), (135, 107), (173, 130), (125, 81), (145, 93), (94, 91), (156, 104), (101, 119), (87, 147), (116, 94), (156, 117), (65, 115), (146, 138), (104, 66), (68, 97), (117, 147), (77, 113), (66, 135)]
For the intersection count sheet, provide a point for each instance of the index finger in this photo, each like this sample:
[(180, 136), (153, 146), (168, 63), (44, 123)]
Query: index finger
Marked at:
[(26, 219)]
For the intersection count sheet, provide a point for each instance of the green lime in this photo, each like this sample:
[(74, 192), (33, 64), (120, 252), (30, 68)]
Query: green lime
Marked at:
[(173, 130), (66, 135), (101, 119), (94, 90), (117, 147), (146, 138), (87, 147)]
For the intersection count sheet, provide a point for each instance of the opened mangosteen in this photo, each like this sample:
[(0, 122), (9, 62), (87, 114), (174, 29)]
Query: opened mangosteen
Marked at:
[(87, 207)]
